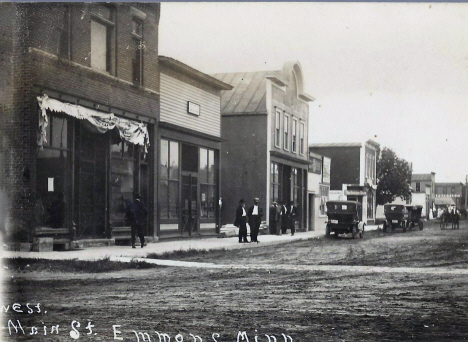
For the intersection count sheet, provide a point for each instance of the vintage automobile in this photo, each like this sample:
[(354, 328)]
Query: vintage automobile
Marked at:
[(344, 217), (414, 216), (394, 217)]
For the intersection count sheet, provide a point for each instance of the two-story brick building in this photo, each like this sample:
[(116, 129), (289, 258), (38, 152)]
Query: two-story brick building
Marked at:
[(79, 111), (265, 120), (190, 146), (354, 173), (450, 194)]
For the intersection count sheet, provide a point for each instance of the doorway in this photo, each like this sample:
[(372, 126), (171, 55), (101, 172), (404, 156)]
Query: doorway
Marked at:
[(189, 224), (311, 212), (91, 177)]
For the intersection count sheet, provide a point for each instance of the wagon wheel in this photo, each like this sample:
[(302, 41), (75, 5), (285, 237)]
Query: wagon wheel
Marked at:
[(355, 232), (420, 224), (327, 231), (384, 227)]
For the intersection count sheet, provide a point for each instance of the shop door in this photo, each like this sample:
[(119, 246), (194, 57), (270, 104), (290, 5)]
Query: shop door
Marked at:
[(311, 212), (189, 224), (91, 189)]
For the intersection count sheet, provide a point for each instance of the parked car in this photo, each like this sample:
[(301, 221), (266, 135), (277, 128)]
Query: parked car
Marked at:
[(414, 216), (394, 217), (344, 217)]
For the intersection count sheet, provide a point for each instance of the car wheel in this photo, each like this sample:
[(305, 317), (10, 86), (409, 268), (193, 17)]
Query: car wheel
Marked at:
[(327, 231), (384, 226), (336, 235), (404, 227), (421, 225)]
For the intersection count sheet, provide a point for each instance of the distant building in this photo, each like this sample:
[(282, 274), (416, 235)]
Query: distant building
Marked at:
[(265, 120), (318, 191), (449, 193), (423, 191), (354, 174)]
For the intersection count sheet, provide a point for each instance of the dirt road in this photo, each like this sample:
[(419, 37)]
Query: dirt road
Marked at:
[(308, 305)]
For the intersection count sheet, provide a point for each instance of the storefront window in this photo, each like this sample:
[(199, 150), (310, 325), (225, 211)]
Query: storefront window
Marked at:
[(169, 182), (123, 159), (294, 186), (370, 205), (208, 189), (324, 195), (274, 182), (53, 176)]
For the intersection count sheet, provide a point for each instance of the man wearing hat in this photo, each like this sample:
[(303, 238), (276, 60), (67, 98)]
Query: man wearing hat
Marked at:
[(255, 214), (241, 221), (274, 218)]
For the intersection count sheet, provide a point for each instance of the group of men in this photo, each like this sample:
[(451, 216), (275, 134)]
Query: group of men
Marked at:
[(282, 218)]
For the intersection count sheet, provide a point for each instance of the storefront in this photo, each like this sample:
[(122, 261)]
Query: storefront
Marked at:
[(364, 195), (90, 164), (288, 183), (188, 184)]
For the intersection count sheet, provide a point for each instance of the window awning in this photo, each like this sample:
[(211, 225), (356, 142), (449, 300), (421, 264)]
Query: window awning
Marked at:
[(130, 131)]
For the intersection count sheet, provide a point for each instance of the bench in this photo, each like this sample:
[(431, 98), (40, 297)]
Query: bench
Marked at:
[(59, 236)]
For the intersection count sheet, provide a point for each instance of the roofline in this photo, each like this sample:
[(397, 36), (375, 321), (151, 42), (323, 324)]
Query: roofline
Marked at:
[(194, 73), (336, 145)]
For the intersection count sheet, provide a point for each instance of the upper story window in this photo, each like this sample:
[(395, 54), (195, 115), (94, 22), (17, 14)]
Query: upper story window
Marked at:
[(65, 39), (102, 37), (370, 166), (301, 138), (286, 132), (277, 128), (418, 187), (138, 47), (294, 135)]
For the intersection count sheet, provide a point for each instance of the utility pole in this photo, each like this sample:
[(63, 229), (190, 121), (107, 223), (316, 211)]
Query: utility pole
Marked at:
[(466, 190)]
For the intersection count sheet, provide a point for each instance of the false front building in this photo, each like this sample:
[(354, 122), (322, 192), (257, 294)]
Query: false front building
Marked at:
[(265, 120), (190, 145), (353, 176)]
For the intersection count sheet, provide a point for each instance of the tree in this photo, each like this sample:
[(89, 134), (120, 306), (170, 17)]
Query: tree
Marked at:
[(393, 177)]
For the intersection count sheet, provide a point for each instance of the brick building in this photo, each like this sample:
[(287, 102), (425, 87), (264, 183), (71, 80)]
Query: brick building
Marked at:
[(354, 173), (79, 106)]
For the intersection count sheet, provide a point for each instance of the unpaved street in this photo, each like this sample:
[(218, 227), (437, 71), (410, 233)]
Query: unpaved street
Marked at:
[(307, 304)]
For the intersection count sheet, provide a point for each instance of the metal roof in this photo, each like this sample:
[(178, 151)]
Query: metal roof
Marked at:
[(248, 95)]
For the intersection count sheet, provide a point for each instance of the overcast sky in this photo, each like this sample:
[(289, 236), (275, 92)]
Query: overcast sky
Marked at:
[(397, 73)]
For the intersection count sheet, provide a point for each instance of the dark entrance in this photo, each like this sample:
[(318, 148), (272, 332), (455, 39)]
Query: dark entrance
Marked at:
[(189, 204), (91, 160), (189, 192)]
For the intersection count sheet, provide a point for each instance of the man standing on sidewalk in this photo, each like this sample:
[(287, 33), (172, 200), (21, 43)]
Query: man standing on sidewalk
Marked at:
[(136, 215), (241, 221), (274, 216), (255, 214)]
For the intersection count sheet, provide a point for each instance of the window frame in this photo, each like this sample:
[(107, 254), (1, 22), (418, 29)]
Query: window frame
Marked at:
[(286, 131), (207, 183), (301, 137), (110, 36), (278, 128), (169, 179), (294, 135), (139, 41)]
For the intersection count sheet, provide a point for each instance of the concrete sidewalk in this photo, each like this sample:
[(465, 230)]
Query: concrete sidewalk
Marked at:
[(127, 253)]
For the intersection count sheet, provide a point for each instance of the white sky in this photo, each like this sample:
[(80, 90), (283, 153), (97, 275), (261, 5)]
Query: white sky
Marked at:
[(394, 72)]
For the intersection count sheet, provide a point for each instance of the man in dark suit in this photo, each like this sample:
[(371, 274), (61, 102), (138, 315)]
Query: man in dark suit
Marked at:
[(255, 215), (285, 218), (273, 217), (292, 220), (136, 216), (241, 221)]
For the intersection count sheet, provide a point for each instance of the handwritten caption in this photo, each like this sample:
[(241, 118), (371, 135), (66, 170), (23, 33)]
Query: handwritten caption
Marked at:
[(77, 329)]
